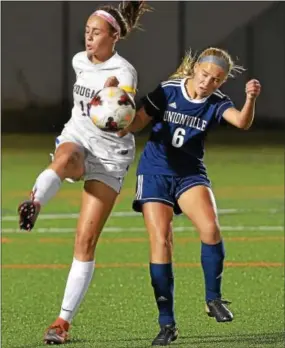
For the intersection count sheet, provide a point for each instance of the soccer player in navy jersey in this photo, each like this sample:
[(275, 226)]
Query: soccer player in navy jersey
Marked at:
[(172, 177)]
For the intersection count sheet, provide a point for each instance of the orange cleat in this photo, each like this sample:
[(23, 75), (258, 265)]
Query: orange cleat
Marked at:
[(57, 333)]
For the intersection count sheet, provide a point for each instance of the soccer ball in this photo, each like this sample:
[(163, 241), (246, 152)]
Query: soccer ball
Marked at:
[(112, 109)]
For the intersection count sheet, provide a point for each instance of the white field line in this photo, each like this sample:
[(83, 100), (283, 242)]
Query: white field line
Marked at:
[(142, 229), (123, 214)]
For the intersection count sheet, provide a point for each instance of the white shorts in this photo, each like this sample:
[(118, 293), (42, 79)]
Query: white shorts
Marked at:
[(109, 171)]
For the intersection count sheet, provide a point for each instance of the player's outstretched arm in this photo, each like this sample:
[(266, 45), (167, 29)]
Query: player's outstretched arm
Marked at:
[(140, 121), (243, 119)]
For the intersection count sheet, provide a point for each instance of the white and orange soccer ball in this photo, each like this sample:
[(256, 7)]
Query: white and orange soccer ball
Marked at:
[(112, 109)]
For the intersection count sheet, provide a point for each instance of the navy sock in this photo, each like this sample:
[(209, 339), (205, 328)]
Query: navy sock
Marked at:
[(212, 259), (162, 281)]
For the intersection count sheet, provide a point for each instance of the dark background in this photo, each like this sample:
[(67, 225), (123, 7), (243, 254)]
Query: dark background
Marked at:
[(40, 38)]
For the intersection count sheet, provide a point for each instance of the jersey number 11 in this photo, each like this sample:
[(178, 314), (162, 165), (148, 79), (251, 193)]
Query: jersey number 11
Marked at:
[(83, 108)]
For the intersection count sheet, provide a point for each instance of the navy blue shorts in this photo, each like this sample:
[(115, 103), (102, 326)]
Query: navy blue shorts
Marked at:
[(165, 189)]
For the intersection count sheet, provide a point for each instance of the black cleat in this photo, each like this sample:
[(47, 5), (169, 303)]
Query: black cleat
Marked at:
[(217, 309), (28, 213), (167, 334)]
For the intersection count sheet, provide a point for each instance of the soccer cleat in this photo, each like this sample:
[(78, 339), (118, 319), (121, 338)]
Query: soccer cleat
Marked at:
[(57, 333), (167, 334), (28, 213), (217, 309)]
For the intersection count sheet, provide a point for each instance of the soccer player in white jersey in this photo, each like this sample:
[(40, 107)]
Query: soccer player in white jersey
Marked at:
[(172, 177), (84, 152)]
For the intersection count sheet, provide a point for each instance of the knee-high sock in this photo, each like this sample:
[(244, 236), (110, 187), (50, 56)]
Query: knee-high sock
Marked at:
[(212, 259), (162, 281), (78, 281), (46, 186)]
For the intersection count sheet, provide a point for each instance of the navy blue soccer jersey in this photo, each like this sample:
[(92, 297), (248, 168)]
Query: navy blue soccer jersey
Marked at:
[(179, 127)]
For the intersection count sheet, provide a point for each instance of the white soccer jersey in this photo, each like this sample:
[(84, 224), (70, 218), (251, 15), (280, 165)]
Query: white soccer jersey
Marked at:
[(90, 78)]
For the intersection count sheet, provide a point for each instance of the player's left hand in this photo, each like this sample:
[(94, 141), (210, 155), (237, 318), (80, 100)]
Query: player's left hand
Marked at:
[(252, 89), (112, 81), (124, 132)]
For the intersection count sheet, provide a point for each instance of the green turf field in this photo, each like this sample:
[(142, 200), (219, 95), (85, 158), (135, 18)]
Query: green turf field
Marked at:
[(119, 309)]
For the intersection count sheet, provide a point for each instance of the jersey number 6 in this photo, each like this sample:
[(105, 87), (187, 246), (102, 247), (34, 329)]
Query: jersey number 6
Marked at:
[(178, 137)]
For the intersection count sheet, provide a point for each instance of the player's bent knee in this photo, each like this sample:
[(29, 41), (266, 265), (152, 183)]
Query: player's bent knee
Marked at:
[(68, 159), (162, 242), (210, 233), (70, 164), (85, 244)]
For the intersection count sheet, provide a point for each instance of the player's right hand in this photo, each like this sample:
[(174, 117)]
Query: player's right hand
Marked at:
[(111, 81), (252, 89)]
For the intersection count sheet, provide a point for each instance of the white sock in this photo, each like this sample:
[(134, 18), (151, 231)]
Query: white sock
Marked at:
[(46, 186), (77, 284)]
